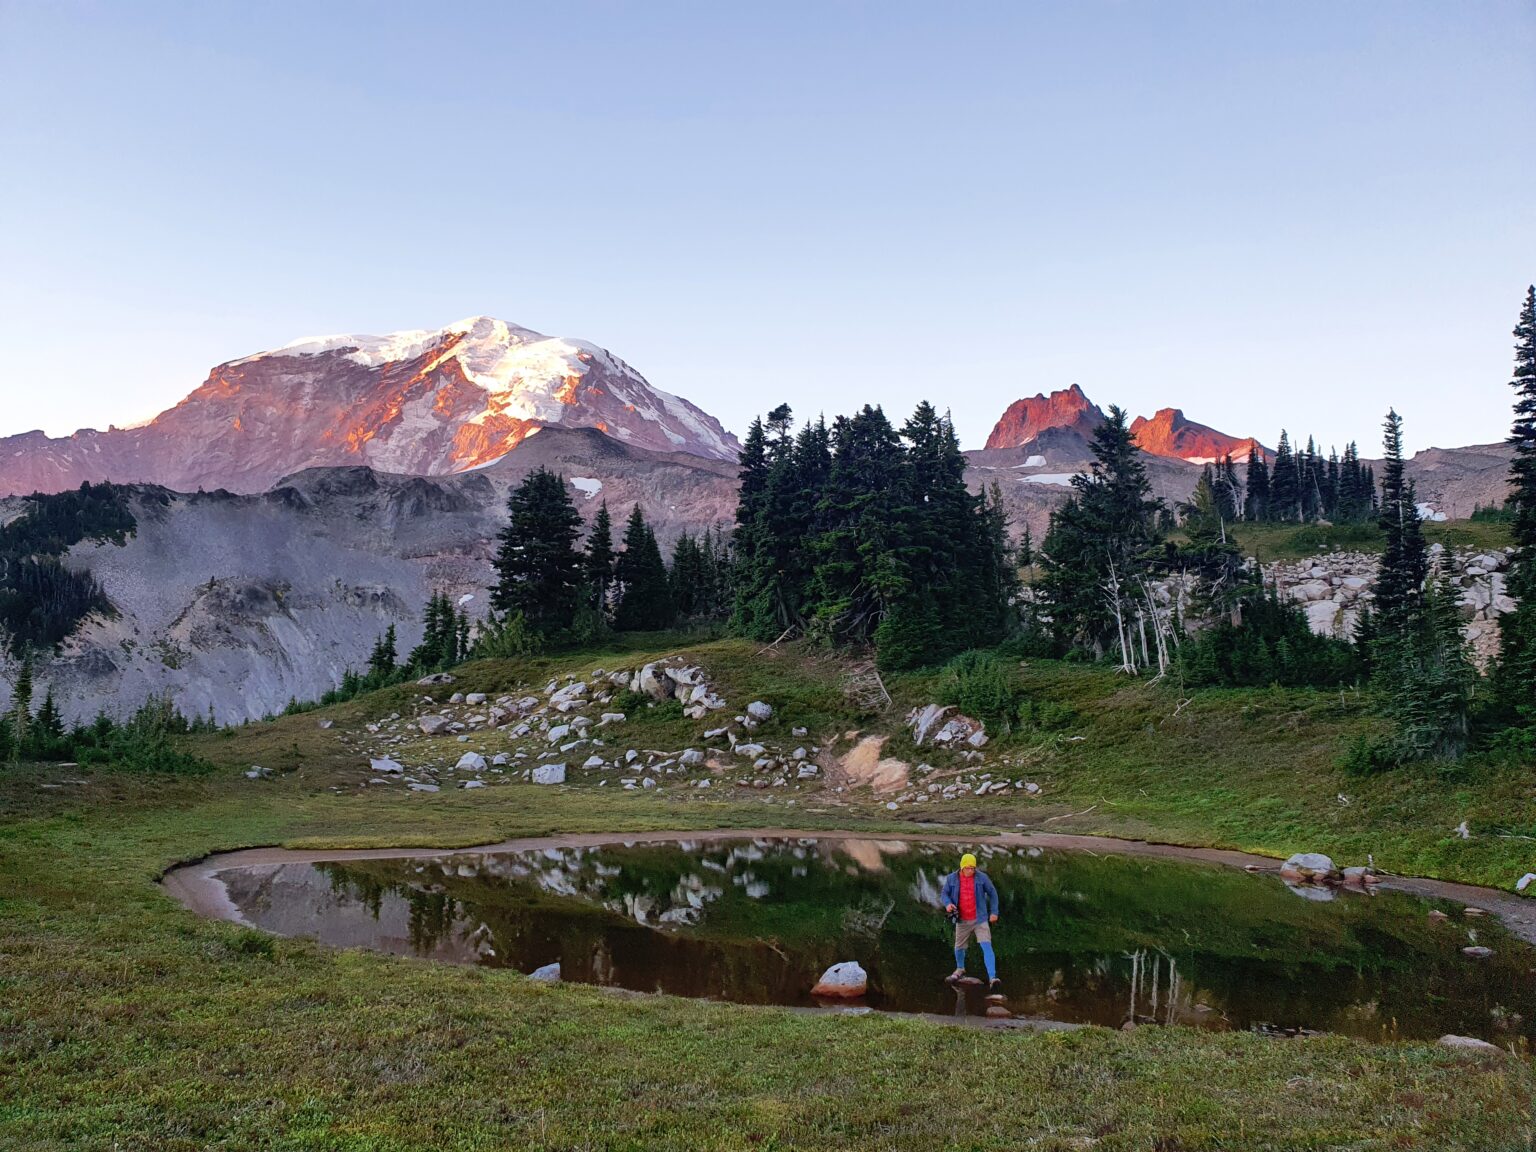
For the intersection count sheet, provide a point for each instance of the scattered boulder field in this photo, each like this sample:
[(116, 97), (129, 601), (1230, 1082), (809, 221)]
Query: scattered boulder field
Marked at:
[(574, 730)]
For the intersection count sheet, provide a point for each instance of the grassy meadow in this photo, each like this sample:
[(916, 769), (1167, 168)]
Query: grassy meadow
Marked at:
[(128, 1023)]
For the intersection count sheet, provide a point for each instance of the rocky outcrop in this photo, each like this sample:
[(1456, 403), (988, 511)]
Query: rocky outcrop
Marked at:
[(423, 403), (1332, 588), (1026, 419), (1170, 433)]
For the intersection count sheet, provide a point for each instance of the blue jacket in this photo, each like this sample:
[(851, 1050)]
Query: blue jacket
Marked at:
[(987, 903)]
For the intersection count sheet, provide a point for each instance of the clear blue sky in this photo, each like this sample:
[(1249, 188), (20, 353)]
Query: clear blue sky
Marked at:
[(1266, 214)]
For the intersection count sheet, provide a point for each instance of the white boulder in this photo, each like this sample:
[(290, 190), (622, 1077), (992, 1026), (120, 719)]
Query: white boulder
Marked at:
[(846, 981), (1309, 868)]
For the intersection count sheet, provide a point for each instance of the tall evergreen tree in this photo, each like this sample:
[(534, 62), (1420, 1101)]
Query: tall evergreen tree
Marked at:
[(644, 592), (1330, 506), (1517, 630), (1405, 562), (1099, 547), (862, 565), (598, 560), (47, 735), (538, 567), (381, 661), (445, 636), (1229, 491), (777, 493), (1284, 483), (1256, 501), (1419, 659), (692, 577), (21, 711)]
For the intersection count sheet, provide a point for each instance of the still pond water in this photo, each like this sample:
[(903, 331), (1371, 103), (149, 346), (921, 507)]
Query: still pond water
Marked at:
[(1083, 938)]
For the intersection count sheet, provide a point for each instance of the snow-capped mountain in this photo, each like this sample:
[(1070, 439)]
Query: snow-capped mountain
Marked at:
[(427, 402)]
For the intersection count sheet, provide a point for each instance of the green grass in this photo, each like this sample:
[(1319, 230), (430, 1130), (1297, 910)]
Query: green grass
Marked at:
[(128, 1023), (1298, 541)]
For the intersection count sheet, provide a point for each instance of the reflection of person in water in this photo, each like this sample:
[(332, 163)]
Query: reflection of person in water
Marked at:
[(971, 901)]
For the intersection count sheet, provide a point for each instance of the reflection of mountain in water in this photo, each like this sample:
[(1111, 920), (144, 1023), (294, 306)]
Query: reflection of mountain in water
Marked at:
[(1099, 940)]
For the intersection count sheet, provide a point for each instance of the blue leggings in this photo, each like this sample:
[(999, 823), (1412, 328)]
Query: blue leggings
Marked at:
[(986, 954)]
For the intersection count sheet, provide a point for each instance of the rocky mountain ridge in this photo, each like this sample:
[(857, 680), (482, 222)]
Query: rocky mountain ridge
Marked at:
[(1170, 433), (236, 603)]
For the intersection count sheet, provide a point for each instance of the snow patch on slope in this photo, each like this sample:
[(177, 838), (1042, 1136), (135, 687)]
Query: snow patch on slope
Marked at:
[(586, 484), (1061, 479)]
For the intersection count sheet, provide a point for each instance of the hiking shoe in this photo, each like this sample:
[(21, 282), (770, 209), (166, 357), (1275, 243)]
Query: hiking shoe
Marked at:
[(956, 976), (996, 984)]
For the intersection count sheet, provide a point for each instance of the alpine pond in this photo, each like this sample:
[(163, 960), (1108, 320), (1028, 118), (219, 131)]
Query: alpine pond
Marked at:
[(1114, 941)]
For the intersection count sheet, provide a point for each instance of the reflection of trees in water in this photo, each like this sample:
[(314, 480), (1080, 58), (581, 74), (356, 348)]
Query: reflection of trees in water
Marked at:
[(358, 886), (1104, 940), (432, 918), (432, 914)]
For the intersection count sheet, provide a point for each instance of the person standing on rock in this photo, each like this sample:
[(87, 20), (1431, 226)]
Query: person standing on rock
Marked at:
[(970, 898)]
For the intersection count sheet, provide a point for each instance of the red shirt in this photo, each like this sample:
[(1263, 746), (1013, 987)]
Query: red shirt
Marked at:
[(967, 897)]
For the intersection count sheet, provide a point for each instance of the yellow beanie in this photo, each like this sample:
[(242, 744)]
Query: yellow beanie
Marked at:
[(968, 860)]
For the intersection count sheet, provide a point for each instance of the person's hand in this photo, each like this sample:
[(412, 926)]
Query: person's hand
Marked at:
[(992, 919), (949, 907)]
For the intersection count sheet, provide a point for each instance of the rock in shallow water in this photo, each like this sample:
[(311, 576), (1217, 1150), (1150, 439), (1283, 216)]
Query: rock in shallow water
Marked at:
[(1310, 868)]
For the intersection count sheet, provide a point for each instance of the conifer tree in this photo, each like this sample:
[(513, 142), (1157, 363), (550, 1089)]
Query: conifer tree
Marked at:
[(598, 560), (445, 636), (644, 592), (1229, 491), (381, 661), (770, 557), (1330, 503), (862, 564), (1099, 547), (1405, 562), (1516, 672), (692, 578), (1419, 658), (1256, 500), (538, 567), (1284, 483), (48, 740), (21, 712)]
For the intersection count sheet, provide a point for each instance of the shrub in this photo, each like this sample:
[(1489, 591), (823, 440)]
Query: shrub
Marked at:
[(982, 686), (148, 742), (1272, 645), (505, 638)]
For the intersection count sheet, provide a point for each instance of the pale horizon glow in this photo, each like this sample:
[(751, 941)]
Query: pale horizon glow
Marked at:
[(1268, 216)]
